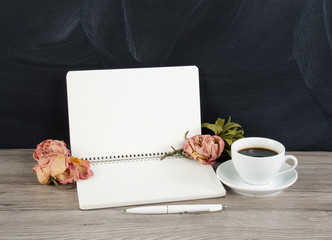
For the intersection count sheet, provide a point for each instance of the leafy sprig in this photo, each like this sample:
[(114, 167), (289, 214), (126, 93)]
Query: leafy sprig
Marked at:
[(229, 132)]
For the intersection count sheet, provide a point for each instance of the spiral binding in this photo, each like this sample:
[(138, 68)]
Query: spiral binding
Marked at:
[(127, 158)]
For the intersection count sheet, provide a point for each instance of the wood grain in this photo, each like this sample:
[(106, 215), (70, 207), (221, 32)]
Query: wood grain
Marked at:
[(29, 210)]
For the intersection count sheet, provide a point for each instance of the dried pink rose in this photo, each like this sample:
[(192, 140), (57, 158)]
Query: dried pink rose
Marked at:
[(58, 165), (70, 175), (205, 148), (82, 166), (48, 149), (55, 165), (43, 174)]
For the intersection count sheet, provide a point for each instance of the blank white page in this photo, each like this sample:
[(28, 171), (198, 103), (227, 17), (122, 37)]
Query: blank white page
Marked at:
[(131, 111), (124, 112), (151, 181)]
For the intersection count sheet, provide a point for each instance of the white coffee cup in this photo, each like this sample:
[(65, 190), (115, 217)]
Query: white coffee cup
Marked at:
[(259, 170)]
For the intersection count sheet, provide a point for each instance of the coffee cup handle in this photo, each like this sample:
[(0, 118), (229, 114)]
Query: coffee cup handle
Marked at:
[(292, 167)]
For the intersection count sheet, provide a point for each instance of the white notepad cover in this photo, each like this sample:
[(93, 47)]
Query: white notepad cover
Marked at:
[(125, 112)]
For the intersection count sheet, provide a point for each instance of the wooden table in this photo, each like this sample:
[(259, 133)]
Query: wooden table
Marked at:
[(29, 210)]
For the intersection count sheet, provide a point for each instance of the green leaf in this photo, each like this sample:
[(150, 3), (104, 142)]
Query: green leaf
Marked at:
[(220, 122), (204, 125), (231, 125), (228, 152), (229, 132), (228, 141), (215, 128), (229, 119)]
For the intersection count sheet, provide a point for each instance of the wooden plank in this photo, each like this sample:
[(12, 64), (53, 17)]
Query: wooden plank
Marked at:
[(29, 210)]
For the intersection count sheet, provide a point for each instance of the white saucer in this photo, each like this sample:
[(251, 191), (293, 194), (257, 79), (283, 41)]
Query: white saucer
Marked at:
[(228, 175)]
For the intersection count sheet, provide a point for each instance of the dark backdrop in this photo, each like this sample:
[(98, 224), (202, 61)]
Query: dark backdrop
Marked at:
[(268, 64)]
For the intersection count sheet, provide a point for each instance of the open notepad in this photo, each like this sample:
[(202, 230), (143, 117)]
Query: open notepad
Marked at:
[(123, 121)]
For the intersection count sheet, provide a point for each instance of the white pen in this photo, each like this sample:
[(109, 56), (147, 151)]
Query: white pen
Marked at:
[(167, 209)]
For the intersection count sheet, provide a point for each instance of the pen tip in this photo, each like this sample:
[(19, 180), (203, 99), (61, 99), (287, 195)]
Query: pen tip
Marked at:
[(224, 206)]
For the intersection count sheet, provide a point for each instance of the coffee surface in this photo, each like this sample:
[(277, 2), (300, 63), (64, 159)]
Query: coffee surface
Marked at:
[(258, 152)]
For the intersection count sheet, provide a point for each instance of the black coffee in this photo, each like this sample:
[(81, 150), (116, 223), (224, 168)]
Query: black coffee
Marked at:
[(258, 152)]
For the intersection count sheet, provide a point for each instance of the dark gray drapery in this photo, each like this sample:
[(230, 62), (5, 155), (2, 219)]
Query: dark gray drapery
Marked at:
[(268, 64)]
